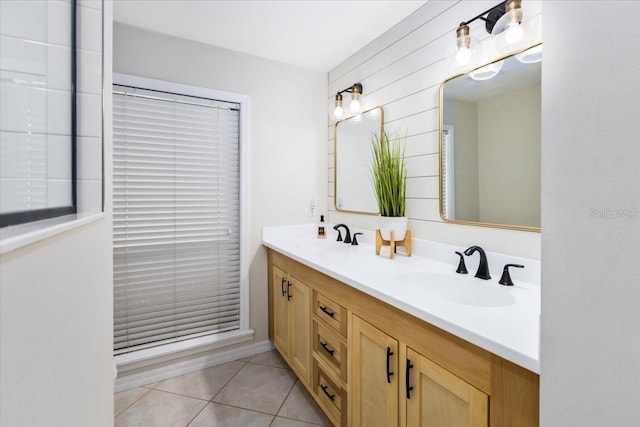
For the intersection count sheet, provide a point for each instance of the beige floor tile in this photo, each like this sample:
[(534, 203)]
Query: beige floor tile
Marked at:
[(270, 358), (286, 422), (244, 359), (257, 387), (301, 406), (125, 398), (201, 384), (160, 409), (217, 415), (152, 385)]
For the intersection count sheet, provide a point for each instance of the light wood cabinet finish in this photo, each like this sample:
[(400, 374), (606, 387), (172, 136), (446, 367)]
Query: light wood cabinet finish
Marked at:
[(512, 392), (437, 398), (374, 376), (292, 322)]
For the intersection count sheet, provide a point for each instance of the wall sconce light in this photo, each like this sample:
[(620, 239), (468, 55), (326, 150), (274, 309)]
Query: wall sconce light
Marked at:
[(355, 106), (503, 21)]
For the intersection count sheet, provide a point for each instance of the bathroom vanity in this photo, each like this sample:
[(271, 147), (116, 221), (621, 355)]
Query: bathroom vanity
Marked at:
[(376, 345)]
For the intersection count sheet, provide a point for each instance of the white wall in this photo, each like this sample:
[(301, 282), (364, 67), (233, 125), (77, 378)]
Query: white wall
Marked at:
[(590, 214), (287, 130), (402, 71), (56, 316)]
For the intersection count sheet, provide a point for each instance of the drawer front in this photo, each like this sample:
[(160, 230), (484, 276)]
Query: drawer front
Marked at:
[(332, 396), (330, 349), (332, 313)]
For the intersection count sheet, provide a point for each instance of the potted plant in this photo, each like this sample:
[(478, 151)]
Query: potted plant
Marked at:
[(389, 178)]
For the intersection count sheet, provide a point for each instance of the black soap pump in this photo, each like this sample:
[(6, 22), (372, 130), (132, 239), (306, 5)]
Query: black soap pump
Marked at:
[(322, 231)]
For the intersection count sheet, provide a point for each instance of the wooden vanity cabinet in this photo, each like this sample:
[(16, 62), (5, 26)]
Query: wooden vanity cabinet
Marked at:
[(291, 322), (364, 355)]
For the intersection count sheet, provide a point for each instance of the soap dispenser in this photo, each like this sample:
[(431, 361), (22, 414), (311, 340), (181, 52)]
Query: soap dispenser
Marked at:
[(322, 231)]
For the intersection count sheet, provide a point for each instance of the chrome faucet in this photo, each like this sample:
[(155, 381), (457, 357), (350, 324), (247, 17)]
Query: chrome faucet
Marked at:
[(483, 267), (347, 236)]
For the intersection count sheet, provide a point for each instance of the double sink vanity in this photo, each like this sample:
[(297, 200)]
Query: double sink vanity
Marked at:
[(380, 342)]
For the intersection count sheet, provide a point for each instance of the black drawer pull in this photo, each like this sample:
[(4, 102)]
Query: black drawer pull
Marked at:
[(289, 291), (327, 311), (282, 286), (408, 378), (326, 348), (389, 373), (329, 395)]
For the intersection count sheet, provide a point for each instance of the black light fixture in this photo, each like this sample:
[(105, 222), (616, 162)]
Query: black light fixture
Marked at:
[(503, 21), (355, 105)]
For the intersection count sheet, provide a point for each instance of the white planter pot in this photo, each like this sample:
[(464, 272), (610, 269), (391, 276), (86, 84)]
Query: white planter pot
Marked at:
[(397, 224)]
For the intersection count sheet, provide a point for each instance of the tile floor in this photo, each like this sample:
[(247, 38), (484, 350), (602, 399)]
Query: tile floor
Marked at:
[(258, 391)]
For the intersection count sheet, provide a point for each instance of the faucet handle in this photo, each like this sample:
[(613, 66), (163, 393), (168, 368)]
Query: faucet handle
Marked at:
[(354, 241), (506, 277), (462, 268)]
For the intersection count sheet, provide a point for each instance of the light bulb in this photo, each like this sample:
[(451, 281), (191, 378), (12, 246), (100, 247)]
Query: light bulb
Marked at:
[(338, 111), (513, 33), (463, 56), (354, 106)]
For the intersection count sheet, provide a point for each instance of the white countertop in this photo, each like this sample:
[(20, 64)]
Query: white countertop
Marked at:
[(511, 332)]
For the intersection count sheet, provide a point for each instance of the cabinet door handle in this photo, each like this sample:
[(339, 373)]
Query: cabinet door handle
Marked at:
[(282, 286), (408, 378), (329, 395), (289, 291), (389, 373), (327, 311), (326, 348)]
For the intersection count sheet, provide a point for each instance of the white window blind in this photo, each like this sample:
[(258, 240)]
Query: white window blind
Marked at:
[(448, 178), (175, 217)]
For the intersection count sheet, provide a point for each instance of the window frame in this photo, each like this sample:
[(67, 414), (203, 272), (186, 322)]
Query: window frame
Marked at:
[(244, 332), (23, 217)]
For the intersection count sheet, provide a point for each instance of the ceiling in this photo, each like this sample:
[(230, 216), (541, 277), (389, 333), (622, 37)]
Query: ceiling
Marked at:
[(313, 34)]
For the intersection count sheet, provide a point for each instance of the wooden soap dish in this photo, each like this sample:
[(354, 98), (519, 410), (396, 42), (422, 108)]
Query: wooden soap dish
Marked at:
[(393, 244)]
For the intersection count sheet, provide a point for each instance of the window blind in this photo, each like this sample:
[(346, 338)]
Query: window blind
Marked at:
[(448, 181), (176, 246)]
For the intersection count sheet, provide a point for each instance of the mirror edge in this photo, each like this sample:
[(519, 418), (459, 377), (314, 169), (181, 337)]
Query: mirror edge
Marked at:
[(335, 163), (440, 127)]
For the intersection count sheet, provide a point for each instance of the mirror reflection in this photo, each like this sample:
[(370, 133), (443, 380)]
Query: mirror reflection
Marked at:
[(490, 144), (353, 189)]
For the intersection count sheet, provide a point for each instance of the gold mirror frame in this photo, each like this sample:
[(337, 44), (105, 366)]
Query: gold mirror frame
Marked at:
[(440, 145), (335, 153)]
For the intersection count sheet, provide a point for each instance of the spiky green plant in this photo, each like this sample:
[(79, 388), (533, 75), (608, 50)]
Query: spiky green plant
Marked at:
[(388, 173)]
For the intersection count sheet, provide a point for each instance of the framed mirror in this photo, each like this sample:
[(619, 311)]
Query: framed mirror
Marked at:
[(353, 189), (490, 144)]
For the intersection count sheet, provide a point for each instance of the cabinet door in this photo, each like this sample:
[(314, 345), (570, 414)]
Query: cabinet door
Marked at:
[(300, 327), (374, 377), (439, 398), (280, 297)]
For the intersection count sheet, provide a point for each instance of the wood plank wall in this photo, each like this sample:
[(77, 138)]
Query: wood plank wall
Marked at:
[(402, 71)]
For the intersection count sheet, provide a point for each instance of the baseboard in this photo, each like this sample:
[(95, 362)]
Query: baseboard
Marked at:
[(192, 364)]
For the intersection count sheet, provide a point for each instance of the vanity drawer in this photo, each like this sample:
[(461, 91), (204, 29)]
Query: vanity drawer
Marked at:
[(330, 349), (332, 396), (332, 313)]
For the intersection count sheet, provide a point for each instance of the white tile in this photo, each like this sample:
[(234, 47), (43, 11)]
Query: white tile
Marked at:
[(94, 4), (59, 112), (201, 384), (89, 77), (222, 415), (159, 409), (89, 29), (24, 19), (124, 399), (89, 158), (89, 115), (59, 157), (23, 108), (21, 194), (89, 195), (59, 23), (24, 56), (58, 193), (59, 68), (23, 156)]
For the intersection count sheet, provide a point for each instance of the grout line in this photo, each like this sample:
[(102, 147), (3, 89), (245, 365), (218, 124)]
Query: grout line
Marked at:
[(229, 380), (132, 403), (285, 399)]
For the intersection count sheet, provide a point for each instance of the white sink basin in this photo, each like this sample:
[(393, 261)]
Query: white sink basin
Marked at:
[(456, 288)]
